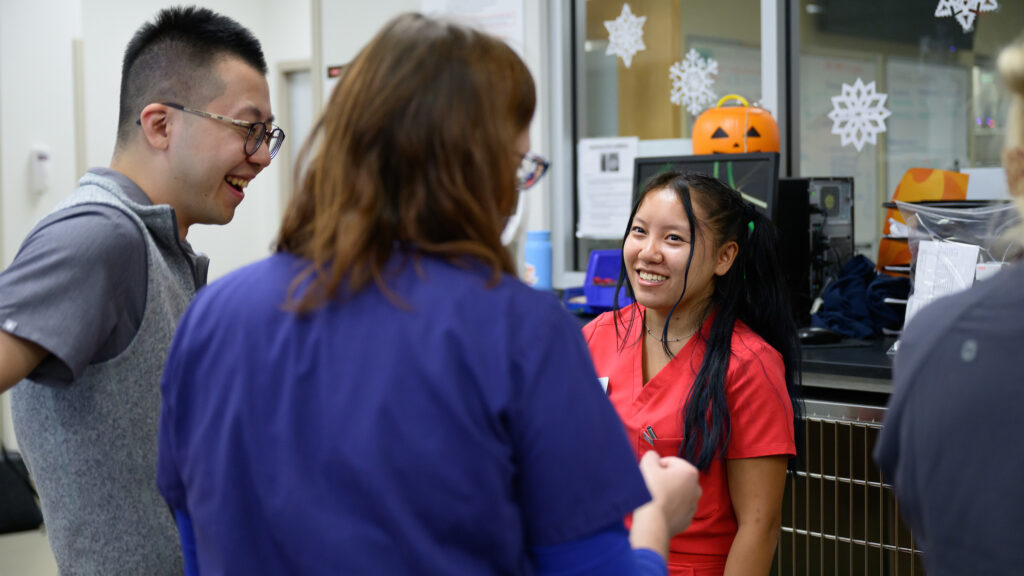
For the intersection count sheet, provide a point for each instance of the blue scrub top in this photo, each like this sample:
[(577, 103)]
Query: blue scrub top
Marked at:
[(448, 434)]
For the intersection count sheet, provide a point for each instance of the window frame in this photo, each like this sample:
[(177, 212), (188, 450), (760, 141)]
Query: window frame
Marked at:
[(566, 77)]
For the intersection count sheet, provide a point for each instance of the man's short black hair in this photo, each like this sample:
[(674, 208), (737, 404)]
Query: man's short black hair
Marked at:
[(173, 58)]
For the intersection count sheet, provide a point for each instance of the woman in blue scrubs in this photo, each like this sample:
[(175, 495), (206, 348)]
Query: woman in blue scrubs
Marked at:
[(382, 395)]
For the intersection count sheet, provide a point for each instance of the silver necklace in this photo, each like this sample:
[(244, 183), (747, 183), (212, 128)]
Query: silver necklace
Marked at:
[(687, 337)]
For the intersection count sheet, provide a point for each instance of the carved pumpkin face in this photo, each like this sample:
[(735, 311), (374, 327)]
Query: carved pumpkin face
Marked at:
[(735, 129)]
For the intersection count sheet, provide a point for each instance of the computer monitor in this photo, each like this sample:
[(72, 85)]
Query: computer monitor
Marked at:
[(755, 175)]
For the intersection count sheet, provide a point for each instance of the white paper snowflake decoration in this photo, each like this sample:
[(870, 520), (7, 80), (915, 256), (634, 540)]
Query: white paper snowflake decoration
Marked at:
[(625, 35), (858, 114), (691, 82), (965, 10)]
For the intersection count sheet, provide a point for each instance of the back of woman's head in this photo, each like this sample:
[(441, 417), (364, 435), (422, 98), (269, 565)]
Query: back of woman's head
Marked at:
[(416, 148), (1011, 68)]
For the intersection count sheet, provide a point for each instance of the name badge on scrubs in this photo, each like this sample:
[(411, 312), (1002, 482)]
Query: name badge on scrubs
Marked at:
[(604, 383)]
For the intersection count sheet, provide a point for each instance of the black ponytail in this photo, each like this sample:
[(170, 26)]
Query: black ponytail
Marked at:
[(753, 290)]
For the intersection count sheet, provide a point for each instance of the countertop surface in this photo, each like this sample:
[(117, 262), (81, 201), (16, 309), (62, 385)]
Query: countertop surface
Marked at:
[(857, 358)]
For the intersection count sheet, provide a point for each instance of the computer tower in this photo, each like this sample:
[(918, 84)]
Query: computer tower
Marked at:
[(815, 221)]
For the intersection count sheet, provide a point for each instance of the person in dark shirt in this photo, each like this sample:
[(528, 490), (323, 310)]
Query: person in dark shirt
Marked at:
[(951, 440)]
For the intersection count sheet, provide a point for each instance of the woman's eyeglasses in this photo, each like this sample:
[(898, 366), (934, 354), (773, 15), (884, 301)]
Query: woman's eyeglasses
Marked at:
[(531, 169)]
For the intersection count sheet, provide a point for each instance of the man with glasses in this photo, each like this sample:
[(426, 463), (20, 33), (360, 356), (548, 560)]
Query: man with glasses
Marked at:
[(90, 304)]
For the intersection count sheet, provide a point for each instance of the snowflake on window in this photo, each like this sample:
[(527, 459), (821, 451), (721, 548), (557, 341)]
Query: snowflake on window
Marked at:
[(858, 114), (691, 82), (965, 10), (625, 35)]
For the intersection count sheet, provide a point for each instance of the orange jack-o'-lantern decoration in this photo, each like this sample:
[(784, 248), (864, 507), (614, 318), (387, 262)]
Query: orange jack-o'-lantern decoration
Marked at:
[(735, 129)]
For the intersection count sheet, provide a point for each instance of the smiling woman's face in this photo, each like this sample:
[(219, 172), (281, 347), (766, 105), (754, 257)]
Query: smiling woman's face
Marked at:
[(657, 249)]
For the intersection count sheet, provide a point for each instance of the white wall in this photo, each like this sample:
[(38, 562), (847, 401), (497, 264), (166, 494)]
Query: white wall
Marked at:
[(347, 26), (36, 107)]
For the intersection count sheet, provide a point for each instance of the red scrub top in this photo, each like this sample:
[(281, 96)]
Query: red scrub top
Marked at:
[(760, 411)]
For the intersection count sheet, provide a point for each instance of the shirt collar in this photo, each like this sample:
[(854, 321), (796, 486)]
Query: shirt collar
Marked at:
[(129, 187)]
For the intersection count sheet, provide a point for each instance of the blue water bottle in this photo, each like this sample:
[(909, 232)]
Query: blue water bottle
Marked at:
[(538, 259)]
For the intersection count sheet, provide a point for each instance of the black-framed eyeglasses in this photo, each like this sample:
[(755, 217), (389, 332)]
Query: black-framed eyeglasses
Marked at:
[(531, 169), (257, 132)]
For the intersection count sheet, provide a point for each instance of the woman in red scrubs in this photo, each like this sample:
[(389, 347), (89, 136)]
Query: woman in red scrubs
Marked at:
[(704, 364)]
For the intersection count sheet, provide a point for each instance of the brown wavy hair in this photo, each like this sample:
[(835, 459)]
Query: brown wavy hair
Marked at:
[(415, 149)]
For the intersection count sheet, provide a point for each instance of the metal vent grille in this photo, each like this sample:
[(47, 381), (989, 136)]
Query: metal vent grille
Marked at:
[(838, 515)]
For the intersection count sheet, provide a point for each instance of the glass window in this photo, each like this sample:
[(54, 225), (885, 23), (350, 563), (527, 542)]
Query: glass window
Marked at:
[(944, 106), (613, 99)]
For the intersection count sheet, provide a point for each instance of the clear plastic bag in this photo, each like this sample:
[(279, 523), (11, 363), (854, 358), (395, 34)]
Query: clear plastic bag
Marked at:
[(953, 235), (991, 228)]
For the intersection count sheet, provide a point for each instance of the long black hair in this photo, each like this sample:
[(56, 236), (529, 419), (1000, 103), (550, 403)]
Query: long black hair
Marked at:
[(753, 290)]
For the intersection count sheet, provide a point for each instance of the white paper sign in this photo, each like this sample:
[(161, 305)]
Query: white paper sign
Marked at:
[(942, 268), (605, 183)]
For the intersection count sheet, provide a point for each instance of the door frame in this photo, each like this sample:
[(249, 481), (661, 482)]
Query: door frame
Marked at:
[(286, 177)]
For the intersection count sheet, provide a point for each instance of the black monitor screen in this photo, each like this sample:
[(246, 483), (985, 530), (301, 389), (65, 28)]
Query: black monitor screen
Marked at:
[(755, 175)]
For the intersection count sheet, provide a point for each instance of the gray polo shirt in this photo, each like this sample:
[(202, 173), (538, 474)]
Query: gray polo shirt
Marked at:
[(77, 286)]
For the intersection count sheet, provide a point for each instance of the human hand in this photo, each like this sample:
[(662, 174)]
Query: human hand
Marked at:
[(674, 486)]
